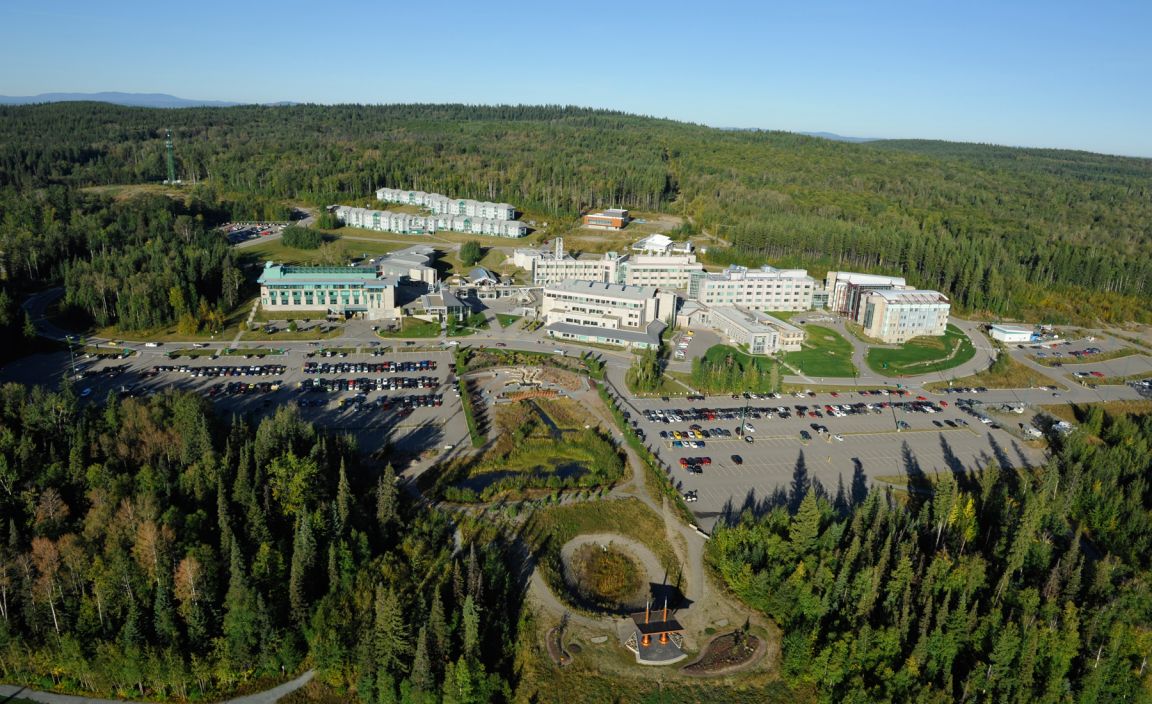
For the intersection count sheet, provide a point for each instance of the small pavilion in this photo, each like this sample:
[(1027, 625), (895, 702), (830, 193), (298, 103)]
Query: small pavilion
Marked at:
[(657, 638)]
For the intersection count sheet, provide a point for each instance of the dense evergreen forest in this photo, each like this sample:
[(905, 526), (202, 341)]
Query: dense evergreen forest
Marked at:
[(150, 547), (989, 587), (1042, 234)]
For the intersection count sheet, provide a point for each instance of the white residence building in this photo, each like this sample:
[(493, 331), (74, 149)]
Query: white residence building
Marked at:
[(443, 205), (409, 224)]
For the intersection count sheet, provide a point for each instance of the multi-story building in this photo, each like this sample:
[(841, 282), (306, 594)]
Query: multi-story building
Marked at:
[(443, 205), (758, 332), (408, 224), (663, 266), (369, 289), (604, 268), (609, 313), (898, 316), (339, 290), (845, 290), (663, 270), (614, 219), (765, 289)]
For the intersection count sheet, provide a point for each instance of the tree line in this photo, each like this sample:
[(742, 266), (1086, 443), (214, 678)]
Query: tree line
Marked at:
[(993, 586), (1039, 234), (151, 547)]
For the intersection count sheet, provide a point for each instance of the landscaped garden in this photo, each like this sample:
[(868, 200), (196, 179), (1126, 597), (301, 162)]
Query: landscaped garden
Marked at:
[(922, 355), (825, 353)]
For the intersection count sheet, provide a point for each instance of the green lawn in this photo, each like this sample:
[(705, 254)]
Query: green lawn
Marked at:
[(506, 320), (826, 354), (922, 355), (335, 253), (414, 327)]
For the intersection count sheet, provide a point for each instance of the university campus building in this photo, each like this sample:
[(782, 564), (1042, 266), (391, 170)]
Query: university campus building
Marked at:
[(898, 316), (759, 332), (613, 219), (607, 313), (764, 289), (845, 290), (368, 289), (655, 261)]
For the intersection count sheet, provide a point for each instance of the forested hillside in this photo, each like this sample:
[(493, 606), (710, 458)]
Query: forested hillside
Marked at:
[(1035, 234), (988, 587), (147, 546)]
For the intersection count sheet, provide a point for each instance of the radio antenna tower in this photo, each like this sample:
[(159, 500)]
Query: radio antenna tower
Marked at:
[(171, 161)]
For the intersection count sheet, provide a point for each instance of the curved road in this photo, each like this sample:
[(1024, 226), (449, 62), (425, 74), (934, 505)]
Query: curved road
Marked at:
[(266, 697)]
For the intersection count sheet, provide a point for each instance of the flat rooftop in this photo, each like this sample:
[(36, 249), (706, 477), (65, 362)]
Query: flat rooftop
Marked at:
[(754, 320), (277, 273), (635, 293), (913, 296), (650, 336)]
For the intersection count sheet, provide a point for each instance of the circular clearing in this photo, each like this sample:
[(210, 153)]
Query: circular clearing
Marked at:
[(609, 572)]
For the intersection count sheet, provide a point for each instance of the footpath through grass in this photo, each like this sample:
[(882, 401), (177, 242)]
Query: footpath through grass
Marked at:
[(826, 354), (923, 355)]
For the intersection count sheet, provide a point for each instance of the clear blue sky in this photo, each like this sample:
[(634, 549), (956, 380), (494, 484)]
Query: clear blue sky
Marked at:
[(1019, 72)]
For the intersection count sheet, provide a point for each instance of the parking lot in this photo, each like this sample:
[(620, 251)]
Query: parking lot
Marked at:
[(880, 442), (407, 399)]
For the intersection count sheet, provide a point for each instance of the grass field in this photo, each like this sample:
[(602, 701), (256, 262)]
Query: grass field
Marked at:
[(506, 320), (826, 354), (334, 253), (922, 355), (413, 327), (1005, 373), (1074, 413)]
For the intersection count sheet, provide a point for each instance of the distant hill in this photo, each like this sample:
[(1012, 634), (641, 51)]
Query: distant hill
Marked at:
[(139, 100), (839, 137)]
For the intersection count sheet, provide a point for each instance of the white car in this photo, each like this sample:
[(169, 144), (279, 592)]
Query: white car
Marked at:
[(838, 438)]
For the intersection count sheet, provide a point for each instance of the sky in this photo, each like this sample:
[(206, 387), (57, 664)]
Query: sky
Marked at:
[(1074, 75)]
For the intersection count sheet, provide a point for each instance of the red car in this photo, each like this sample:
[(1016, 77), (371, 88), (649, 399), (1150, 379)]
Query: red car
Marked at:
[(921, 398), (1097, 374), (943, 404), (683, 461)]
